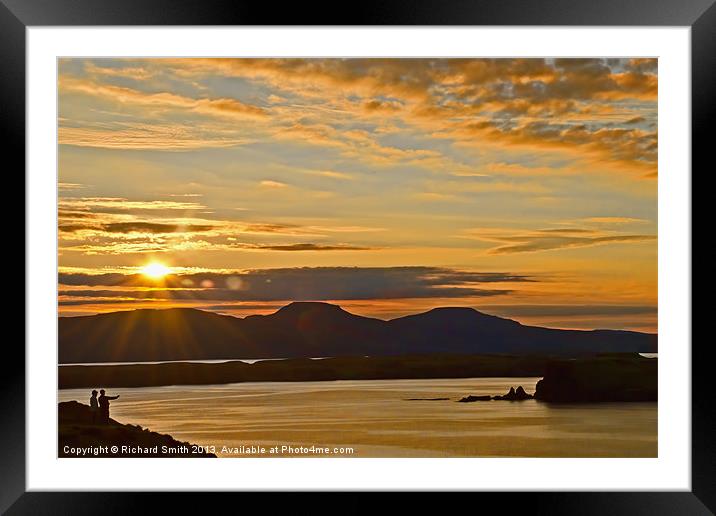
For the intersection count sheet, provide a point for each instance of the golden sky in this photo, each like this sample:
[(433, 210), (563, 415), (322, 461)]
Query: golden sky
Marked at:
[(525, 188)]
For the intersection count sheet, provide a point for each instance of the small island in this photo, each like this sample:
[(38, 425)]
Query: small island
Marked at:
[(79, 437), (513, 394)]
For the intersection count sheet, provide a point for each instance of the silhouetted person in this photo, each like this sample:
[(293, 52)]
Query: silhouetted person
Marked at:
[(94, 407), (104, 405)]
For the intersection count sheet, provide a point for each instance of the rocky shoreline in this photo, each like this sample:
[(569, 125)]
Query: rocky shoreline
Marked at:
[(79, 437)]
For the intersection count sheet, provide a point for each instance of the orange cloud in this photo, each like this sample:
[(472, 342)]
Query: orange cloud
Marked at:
[(505, 101), (528, 241), (220, 106)]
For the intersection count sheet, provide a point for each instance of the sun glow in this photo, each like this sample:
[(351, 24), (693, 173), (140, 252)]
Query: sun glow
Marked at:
[(155, 270)]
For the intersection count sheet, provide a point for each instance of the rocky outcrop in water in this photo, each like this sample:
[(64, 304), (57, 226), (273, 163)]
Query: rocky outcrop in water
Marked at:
[(515, 395), (518, 394), (470, 399)]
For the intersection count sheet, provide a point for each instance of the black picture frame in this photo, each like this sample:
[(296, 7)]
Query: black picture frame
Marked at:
[(17, 15)]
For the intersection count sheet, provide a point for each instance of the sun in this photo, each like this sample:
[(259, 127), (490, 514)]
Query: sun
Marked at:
[(155, 270)]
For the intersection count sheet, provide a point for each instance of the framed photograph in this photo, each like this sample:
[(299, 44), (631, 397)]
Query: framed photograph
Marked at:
[(446, 249)]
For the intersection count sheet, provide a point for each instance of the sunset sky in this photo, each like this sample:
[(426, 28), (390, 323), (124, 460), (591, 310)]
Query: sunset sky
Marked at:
[(525, 188)]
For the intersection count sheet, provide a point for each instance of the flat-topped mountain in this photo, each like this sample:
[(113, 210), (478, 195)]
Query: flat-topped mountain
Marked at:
[(310, 329)]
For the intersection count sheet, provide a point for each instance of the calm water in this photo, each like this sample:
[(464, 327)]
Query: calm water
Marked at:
[(211, 361), (375, 419)]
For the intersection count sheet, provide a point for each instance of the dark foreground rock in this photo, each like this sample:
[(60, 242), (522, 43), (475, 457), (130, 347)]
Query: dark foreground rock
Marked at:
[(78, 437), (600, 379), (512, 395)]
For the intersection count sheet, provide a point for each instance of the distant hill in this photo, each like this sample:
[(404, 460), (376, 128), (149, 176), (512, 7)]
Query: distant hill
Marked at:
[(387, 367), (308, 329)]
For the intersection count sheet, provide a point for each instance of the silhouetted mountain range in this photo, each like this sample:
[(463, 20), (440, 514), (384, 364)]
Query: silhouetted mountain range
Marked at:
[(308, 329)]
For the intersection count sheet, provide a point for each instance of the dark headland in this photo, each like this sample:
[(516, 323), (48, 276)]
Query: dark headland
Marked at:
[(79, 437), (608, 378), (301, 370)]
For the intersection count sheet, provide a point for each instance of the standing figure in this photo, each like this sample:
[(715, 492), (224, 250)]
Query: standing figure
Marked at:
[(94, 407), (104, 405)]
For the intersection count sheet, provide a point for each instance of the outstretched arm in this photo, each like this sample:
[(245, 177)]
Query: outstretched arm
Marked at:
[(113, 397)]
